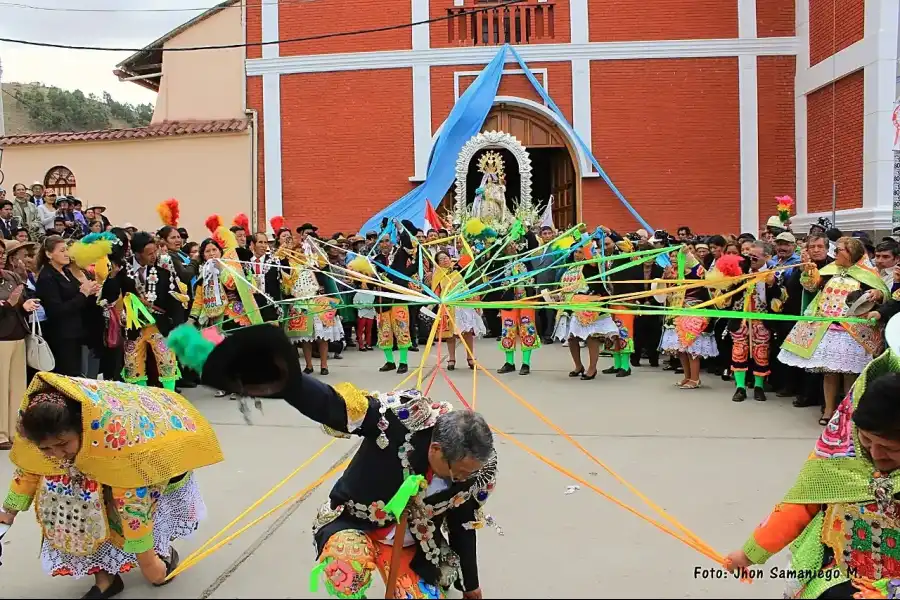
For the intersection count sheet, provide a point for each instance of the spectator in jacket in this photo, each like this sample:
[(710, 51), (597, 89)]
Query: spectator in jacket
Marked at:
[(14, 308), (64, 298), (26, 212)]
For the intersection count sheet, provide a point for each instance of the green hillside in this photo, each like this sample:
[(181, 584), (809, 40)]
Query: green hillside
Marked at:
[(36, 108)]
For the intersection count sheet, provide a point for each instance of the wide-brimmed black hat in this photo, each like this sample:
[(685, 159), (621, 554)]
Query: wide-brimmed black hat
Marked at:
[(256, 361), (307, 227)]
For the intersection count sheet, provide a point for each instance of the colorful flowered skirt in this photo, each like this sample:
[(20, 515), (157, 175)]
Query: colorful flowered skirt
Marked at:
[(584, 324), (702, 346), (178, 513), (837, 352)]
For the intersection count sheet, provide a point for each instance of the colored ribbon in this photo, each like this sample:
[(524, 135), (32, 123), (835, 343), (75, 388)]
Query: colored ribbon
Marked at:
[(135, 311), (409, 488)]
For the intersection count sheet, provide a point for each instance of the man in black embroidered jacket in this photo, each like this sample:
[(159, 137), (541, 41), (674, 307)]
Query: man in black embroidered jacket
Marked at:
[(403, 434)]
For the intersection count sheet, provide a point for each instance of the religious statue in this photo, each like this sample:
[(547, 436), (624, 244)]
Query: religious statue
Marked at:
[(490, 197)]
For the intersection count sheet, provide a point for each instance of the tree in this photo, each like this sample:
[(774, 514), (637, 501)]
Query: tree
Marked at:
[(53, 109)]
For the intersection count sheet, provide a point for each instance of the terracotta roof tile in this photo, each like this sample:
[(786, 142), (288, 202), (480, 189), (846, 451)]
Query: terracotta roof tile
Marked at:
[(166, 128)]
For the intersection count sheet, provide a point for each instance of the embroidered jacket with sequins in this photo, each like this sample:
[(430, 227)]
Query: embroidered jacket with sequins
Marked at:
[(396, 430)]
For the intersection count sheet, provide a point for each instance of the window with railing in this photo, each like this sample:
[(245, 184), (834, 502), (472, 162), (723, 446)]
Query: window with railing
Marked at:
[(527, 22)]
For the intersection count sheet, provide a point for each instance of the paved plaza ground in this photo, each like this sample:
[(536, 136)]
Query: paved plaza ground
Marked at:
[(716, 466)]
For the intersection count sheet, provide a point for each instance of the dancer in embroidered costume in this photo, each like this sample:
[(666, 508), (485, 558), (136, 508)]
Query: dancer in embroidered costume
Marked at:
[(109, 468), (836, 349), (447, 279), (408, 442), (750, 337), (688, 337), (841, 518), (262, 270), (151, 306), (518, 325), (580, 284), (220, 294), (393, 315), (621, 346)]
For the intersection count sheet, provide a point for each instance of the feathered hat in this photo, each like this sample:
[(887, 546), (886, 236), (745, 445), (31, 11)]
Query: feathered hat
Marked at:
[(92, 247), (221, 234), (785, 205), (169, 212), (243, 221)]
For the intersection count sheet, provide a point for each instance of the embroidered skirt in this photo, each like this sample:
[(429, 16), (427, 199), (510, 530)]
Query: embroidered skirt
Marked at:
[(585, 324), (703, 346), (469, 321), (837, 352), (178, 514)]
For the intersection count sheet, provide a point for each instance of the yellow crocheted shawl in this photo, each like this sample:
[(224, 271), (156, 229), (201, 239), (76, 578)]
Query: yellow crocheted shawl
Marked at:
[(132, 436)]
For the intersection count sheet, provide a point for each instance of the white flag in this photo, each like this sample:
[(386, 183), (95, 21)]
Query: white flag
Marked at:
[(547, 218)]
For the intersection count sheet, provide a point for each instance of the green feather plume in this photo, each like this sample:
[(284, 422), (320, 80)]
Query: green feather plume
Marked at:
[(189, 345)]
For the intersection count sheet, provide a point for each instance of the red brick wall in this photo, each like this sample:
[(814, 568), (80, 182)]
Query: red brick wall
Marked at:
[(306, 19), (255, 101), (834, 25), (344, 159), (462, 34), (777, 153), (623, 20), (673, 152), (559, 78), (843, 136), (254, 28), (774, 18)]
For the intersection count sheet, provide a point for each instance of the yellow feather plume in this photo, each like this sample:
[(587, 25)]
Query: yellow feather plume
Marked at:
[(85, 255), (361, 265), (474, 227)]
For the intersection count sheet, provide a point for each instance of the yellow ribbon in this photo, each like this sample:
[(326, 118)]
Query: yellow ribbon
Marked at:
[(135, 310)]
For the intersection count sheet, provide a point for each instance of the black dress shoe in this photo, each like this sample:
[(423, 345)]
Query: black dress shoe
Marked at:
[(171, 565), (186, 383), (577, 373), (308, 371), (114, 589), (403, 368), (623, 373), (525, 370), (785, 393), (740, 395), (323, 371), (610, 371), (586, 377), (803, 402), (759, 394), (414, 349), (388, 366), (506, 368)]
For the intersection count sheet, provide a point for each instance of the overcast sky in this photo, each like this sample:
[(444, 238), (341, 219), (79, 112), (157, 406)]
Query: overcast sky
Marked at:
[(89, 71)]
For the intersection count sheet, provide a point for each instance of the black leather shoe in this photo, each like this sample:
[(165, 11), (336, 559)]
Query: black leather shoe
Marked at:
[(525, 370), (740, 395), (323, 371), (506, 368), (577, 373), (403, 368), (388, 366), (114, 589), (308, 371), (171, 565), (759, 394), (610, 371), (623, 373)]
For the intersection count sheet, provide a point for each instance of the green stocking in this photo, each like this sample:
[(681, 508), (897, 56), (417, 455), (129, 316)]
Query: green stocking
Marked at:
[(526, 357), (388, 355), (740, 379), (625, 361), (759, 381), (511, 357), (403, 353), (168, 384)]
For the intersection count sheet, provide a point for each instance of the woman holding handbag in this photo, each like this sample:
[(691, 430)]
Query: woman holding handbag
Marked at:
[(64, 298), (14, 309)]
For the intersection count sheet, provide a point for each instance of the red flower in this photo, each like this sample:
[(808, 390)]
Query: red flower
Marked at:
[(90, 485), (116, 436), (134, 524), (341, 574)]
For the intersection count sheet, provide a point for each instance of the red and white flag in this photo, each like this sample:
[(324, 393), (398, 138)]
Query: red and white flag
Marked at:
[(432, 220)]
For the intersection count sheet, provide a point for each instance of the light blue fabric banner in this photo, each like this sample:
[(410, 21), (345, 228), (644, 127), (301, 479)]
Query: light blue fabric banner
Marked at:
[(465, 120)]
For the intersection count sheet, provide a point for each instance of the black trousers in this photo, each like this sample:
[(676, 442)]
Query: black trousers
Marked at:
[(414, 325), (66, 355), (647, 331), (546, 318)]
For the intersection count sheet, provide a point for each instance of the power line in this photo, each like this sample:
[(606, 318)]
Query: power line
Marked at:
[(132, 10), (284, 41)]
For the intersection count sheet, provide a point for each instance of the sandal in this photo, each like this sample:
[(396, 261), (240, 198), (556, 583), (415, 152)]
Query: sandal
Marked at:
[(171, 565), (471, 364), (691, 385), (823, 421), (682, 383), (451, 365)]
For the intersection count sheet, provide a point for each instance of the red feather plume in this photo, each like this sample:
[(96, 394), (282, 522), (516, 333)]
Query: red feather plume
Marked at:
[(277, 224), (213, 222), (169, 212), (729, 265), (243, 221)]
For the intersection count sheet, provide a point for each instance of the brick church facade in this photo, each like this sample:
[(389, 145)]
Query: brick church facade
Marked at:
[(700, 111)]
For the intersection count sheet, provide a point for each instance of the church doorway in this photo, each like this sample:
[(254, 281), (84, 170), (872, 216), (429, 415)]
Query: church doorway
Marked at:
[(553, 171)]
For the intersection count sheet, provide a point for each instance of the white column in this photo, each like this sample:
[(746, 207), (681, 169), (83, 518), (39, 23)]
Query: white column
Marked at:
[(578, 17), (749, 121), (581, 108), (880, 91), (2, 122), (800, 114), (421, 74), (271, 115)]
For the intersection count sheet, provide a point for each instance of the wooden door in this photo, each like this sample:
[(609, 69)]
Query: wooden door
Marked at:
[(562, 186)]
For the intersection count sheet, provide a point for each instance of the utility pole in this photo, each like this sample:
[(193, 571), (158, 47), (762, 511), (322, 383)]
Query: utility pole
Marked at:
[(2, 122)]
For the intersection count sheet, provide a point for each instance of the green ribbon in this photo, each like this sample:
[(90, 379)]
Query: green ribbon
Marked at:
[(409, 488), (682, 260), (314, 577), (138, 309)]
